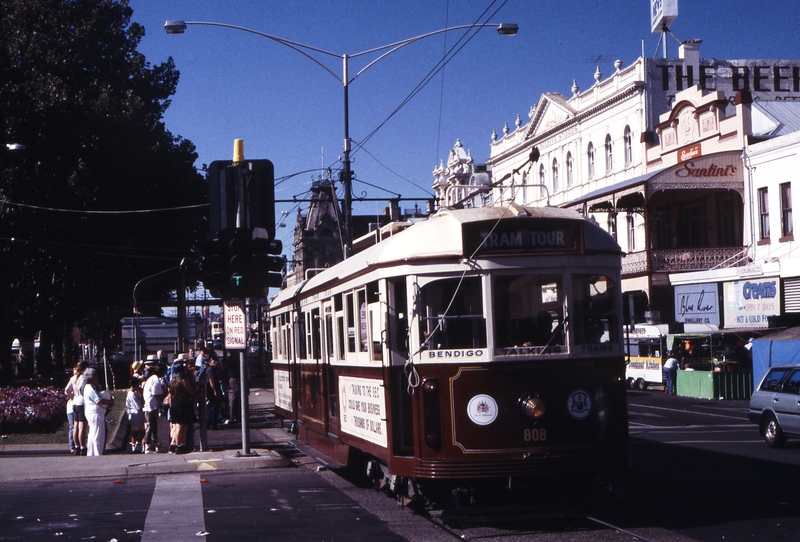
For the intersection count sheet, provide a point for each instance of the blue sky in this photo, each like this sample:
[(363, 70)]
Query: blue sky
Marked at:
[(289, 110)]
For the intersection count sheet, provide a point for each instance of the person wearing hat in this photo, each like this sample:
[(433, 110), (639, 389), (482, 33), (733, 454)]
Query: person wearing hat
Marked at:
[(134, 406), (153, 393), (97, 403)]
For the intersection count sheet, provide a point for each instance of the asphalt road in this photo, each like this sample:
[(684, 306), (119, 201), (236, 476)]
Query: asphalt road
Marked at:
[(699, 472)]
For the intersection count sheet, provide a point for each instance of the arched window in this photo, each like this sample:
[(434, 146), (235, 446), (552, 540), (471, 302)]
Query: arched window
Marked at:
[(570, 178), (628, 141), (524, 187), (609, 155), (555, 175), (541, 180), (590, 160)]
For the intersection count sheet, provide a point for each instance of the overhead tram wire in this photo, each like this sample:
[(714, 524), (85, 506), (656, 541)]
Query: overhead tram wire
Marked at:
[(390, 170), (105, 250), (453, 51), (100, 211), (441, 84)]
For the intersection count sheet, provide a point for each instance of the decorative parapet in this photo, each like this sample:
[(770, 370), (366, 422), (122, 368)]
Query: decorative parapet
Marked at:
[(688, 259), (695, 259), (634, 263)]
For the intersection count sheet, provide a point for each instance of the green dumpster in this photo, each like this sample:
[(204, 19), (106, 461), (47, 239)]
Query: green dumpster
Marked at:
[(714, 385)]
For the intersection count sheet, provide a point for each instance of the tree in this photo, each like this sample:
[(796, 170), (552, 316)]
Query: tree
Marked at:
[(89, 109)]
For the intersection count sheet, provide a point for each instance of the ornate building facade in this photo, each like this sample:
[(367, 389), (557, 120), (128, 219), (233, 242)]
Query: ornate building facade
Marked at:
[(656, 153)]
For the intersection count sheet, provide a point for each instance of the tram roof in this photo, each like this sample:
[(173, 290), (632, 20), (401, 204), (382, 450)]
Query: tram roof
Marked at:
[(441, 236)]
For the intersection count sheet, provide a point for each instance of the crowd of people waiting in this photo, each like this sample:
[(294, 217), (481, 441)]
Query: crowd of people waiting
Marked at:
[(181, 391)]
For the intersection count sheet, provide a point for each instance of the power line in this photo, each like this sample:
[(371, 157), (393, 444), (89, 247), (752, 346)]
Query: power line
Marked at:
[(99, 212)]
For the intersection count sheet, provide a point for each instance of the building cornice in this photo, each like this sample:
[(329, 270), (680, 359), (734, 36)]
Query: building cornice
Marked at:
[(529, 142)]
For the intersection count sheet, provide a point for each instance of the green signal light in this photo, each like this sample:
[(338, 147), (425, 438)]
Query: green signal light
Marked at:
[(236, 280)]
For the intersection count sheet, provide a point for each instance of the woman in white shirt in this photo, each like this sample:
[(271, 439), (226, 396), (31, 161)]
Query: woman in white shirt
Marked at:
[(97, 403)]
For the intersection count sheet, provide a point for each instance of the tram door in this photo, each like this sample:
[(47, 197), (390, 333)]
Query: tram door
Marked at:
[(312, 380), (331, 392)]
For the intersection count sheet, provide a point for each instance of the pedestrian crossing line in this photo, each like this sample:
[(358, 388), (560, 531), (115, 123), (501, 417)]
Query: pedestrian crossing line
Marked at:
[(176, 510)]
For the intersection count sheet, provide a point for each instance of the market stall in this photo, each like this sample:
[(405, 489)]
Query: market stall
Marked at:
[(715, 365)]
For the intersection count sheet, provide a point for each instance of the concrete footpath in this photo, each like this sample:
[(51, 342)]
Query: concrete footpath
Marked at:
[(225, 451)]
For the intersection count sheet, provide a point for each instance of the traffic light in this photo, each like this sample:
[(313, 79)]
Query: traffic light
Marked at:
[(253, 263), (241, 193), (215, 267)]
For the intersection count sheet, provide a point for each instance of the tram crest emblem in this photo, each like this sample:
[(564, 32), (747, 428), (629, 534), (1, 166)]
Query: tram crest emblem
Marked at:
[(579, 404), (482, 409)]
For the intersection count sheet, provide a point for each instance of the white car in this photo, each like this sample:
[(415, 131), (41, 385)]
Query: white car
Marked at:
[(775, 405)]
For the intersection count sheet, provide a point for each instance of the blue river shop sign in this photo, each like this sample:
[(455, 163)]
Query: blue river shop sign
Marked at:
[(697, 304)]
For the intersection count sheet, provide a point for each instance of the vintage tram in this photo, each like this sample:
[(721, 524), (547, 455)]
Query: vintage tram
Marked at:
[(477, 348)]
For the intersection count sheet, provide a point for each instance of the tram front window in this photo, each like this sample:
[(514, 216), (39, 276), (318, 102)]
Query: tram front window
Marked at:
[(451, 314), (595, 319), (528, 311)]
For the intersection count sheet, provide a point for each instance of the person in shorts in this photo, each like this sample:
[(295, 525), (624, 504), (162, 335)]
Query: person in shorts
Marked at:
[(79, 428), (134, 406)]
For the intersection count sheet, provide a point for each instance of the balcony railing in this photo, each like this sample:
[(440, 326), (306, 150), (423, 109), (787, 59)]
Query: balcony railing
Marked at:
[(685, 259)]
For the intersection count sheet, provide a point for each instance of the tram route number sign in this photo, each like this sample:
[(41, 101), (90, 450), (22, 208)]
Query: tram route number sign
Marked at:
[(235, 326)]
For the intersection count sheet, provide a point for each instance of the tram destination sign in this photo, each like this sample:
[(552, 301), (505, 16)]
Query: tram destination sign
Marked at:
[(516, 236)]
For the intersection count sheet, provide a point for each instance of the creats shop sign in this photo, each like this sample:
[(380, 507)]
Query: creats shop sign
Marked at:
[(760, 290)]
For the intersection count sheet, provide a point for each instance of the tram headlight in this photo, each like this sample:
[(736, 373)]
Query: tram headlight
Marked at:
[(531, 407)]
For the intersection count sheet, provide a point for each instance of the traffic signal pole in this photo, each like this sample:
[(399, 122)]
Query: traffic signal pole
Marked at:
[(244, 385), (241, 258)]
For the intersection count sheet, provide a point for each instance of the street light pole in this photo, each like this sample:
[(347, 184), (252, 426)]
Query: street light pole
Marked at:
[(503, 29)]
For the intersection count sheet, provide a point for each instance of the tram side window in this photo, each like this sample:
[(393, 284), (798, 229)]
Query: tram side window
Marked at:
[(301, 335), (340, 325), (286, 335), (329, 332), (594, 319), (362, 323), (375, 321), (398, 309), (462, 325), (316, 334), (351, 329), (528, 310)]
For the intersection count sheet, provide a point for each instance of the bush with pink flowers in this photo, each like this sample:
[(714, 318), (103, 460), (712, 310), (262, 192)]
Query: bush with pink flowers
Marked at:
[(31, 410)]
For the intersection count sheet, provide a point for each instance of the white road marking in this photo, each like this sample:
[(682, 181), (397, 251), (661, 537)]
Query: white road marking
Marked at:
[(684, 411), (176, 510)]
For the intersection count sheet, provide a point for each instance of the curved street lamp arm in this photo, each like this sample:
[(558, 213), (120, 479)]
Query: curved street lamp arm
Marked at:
[(149, 279), (400, 44), (299, 47)]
